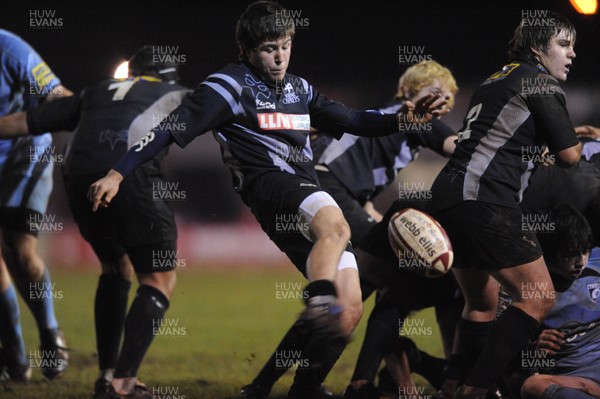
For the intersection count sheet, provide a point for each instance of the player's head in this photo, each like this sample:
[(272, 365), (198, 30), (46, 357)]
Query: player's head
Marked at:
[(548, 37), (566, 245), (424, 78), (149, 61), (264, 34)]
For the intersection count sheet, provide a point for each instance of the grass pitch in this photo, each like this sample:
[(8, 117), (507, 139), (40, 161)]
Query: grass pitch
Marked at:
[(221, 327)]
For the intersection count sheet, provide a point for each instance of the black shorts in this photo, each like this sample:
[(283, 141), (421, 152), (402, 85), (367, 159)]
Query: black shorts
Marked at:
[(359, 220), (274, 198), (133, 220), (22, 220), (410, 292), (488, 237)]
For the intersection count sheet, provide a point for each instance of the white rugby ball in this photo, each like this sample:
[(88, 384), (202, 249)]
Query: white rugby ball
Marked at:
[(420, 242)]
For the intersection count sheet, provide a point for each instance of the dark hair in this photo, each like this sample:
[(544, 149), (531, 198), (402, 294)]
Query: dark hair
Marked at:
[(537, 31), (571, 236), (262, 20), (144, 62)]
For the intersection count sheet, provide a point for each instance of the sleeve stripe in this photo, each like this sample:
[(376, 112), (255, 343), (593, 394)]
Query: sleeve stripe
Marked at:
[(236, 108), (235, 85)]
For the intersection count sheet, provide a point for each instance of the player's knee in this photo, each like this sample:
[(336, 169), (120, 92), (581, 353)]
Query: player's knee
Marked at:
[(337, 232), (533, 388)]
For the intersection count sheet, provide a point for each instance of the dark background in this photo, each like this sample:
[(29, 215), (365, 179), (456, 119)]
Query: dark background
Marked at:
[(348, 50)]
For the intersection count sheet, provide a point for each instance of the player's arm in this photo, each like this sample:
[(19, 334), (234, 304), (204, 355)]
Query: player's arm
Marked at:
[(552, 119), (336, 119), (13, 125), (440, 138), (61, 114), (207, 108), (588, 131), (550, 341), (369, 207), (58, 92)]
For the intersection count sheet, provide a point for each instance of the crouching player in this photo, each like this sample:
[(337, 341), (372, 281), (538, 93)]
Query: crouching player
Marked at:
[(571, 335), (261, 117), (136, 232)]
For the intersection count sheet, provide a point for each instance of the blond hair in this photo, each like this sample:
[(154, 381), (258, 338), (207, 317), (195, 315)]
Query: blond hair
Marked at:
[(424, 74)]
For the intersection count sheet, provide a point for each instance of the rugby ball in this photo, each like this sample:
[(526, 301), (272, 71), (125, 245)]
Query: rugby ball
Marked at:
[(420, 242)]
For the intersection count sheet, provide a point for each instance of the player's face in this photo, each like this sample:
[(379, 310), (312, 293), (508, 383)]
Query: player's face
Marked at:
[(559, 57), (271, 58), (435, 88), (571, 268)]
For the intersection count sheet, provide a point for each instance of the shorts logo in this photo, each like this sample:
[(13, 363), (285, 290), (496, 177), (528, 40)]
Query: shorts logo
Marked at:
[(279, 121), (594, 291), (307, 185)]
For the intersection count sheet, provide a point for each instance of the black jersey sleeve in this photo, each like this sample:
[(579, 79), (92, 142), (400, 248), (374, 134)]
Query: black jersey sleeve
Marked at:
[(337, 119), (214, 103), (551, 117), (433, 139), (53, 116)]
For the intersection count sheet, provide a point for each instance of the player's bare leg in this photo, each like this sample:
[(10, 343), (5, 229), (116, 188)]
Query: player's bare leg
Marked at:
[(513, 329), (15, 359), (110, 309), (33, 282), (152, 300), (573, 387)]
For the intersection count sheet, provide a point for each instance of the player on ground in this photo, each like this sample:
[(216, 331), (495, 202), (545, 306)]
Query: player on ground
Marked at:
[(571, 335), (261, 116), (353, 171), (512, 116), (25, 186), (137, 231)]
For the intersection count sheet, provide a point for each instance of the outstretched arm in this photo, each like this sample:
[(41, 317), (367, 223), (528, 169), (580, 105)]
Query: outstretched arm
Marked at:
[(104, 190)]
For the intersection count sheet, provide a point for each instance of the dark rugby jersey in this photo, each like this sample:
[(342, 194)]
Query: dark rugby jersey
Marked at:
[(512, 116), (263, 127), (107, 118), (365, 165)]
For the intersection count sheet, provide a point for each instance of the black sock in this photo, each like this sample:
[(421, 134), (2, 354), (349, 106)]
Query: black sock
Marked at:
[(382, 330), (510, 334), (472, 337), (291, 346), (430, 367), (318, 359), (146, 312), (110, 308)]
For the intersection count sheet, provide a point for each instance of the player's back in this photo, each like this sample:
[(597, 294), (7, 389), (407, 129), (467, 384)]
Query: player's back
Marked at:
[(112, 116)]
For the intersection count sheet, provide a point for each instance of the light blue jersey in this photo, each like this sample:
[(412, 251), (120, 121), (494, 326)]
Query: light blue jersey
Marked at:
[(25, 163), (576, 312)]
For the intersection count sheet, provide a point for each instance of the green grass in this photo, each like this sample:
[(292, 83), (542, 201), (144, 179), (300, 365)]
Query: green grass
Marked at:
[(228, 324)]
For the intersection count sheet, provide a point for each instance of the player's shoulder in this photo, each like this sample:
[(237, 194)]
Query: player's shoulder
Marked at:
[(15, 47)]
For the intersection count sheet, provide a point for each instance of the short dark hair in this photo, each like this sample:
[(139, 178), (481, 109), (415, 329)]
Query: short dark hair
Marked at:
[(262, 20), (536, 32), (571, 236), (144, 62)]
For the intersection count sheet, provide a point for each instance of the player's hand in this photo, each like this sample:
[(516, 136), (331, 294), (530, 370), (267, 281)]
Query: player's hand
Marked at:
[(427, 108), (550, 341), (104, 190), (588, 131)]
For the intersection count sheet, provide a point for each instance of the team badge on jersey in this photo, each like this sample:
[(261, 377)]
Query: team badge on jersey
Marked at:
[(594, 291), (289, 95)]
